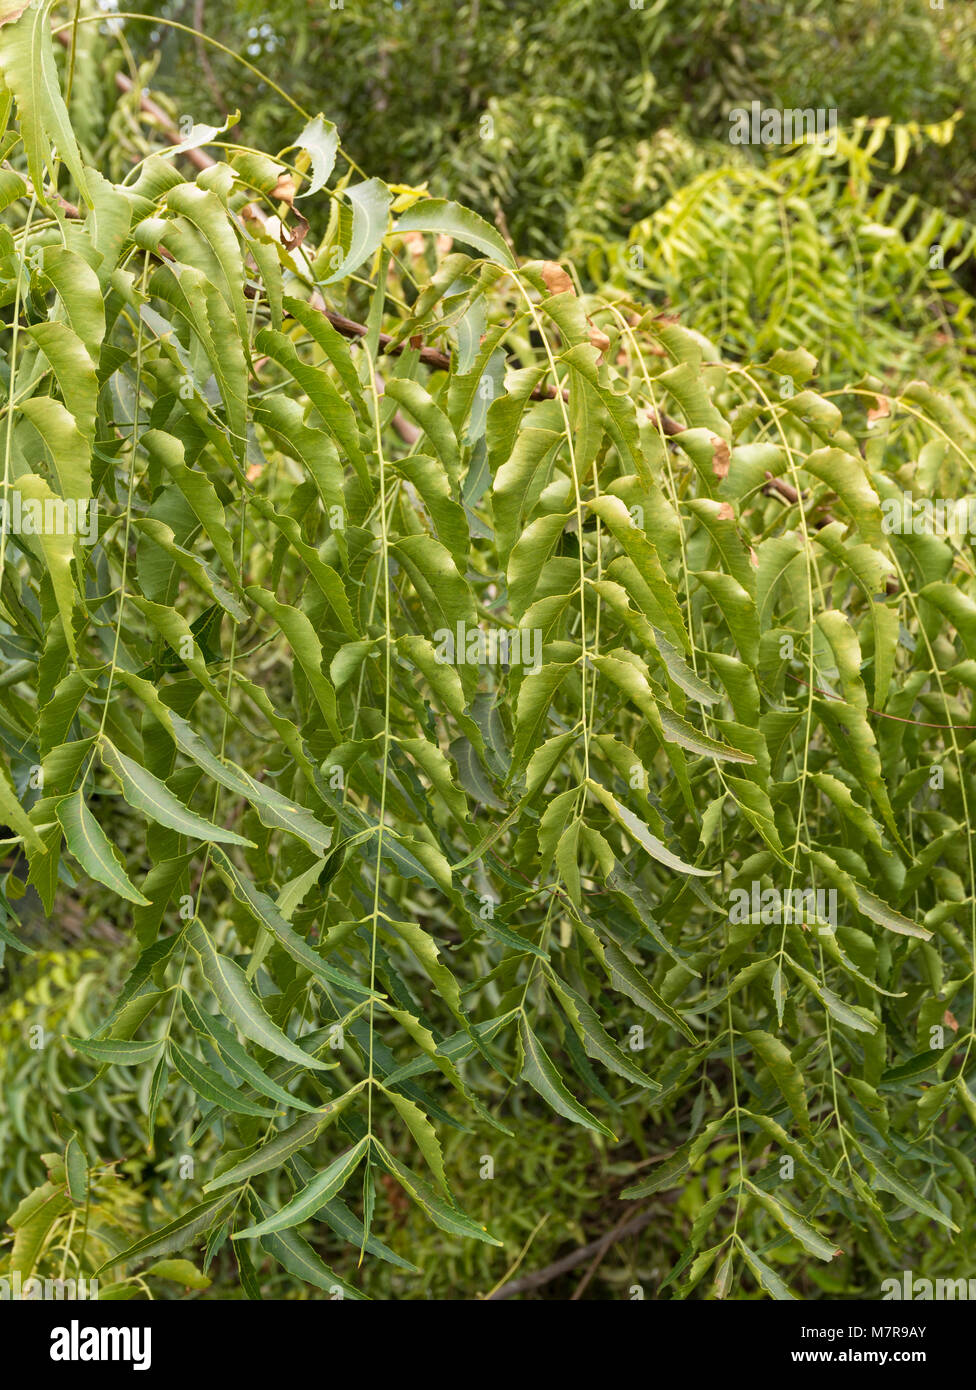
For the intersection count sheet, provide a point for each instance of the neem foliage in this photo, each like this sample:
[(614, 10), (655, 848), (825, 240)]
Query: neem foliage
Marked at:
[(376, 890)]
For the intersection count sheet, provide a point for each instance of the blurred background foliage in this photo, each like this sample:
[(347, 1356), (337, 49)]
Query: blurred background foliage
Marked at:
[(599, 130), (596, 132), (550, 111)]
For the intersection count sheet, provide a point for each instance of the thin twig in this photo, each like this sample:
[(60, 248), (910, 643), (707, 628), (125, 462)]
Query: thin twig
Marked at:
[(528, 1282), (580, 1289)]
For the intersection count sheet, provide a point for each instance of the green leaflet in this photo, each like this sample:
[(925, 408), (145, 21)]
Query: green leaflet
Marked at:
[(202, 134), (655, 596), (273, 809), (534, 699), (299, 1258), (76, 1169), (425, 949), (854, 1017), (791, 1221), (432, 420), (146, 793), (596, 1040), (27, 65), (447, 1216), (450, 219), (199, 492), (780, 563), (185, 641), (175, 1235), (337, 1215), (888, 1178), (335, 412), (7, 939), (324, 575), (629, 891), (957, 607), (878, 911), (638, 831), (330, 340), (851, 714), (73, 371), (236, 1056), (199, 573), (204, 210), (264, 911), (95, 853), (301, 637), (518, 483), (766, 1276), (70, 450), (834, 467), (625, 977), (870, 570), (430, 478), (210, 1086), (56, 549), (776, 1056), (529, 556), (423, 1132), (443, 592), (724, 534), (681, 673), (678, 731), (663, 1176), (117, 1052), (736, 606), (541, 1074), (436, 767), (31, 1223), (182, 1272), (287, 1142), (14, 814), (304, 1205), (840, 794), (240, 1005), (370, 213), (321, 139)]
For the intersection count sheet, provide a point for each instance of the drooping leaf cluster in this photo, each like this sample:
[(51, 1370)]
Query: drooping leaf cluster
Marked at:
[(392, 876)]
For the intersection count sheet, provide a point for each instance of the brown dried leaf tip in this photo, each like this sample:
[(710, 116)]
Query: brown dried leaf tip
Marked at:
[(721, 457), (598, 339), (557, 280), (284, 190)]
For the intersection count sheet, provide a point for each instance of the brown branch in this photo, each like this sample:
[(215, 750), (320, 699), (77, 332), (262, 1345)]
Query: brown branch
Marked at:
[(597, 1260), (882, 714), (598, 1247), (204, 60), (777, 487)]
